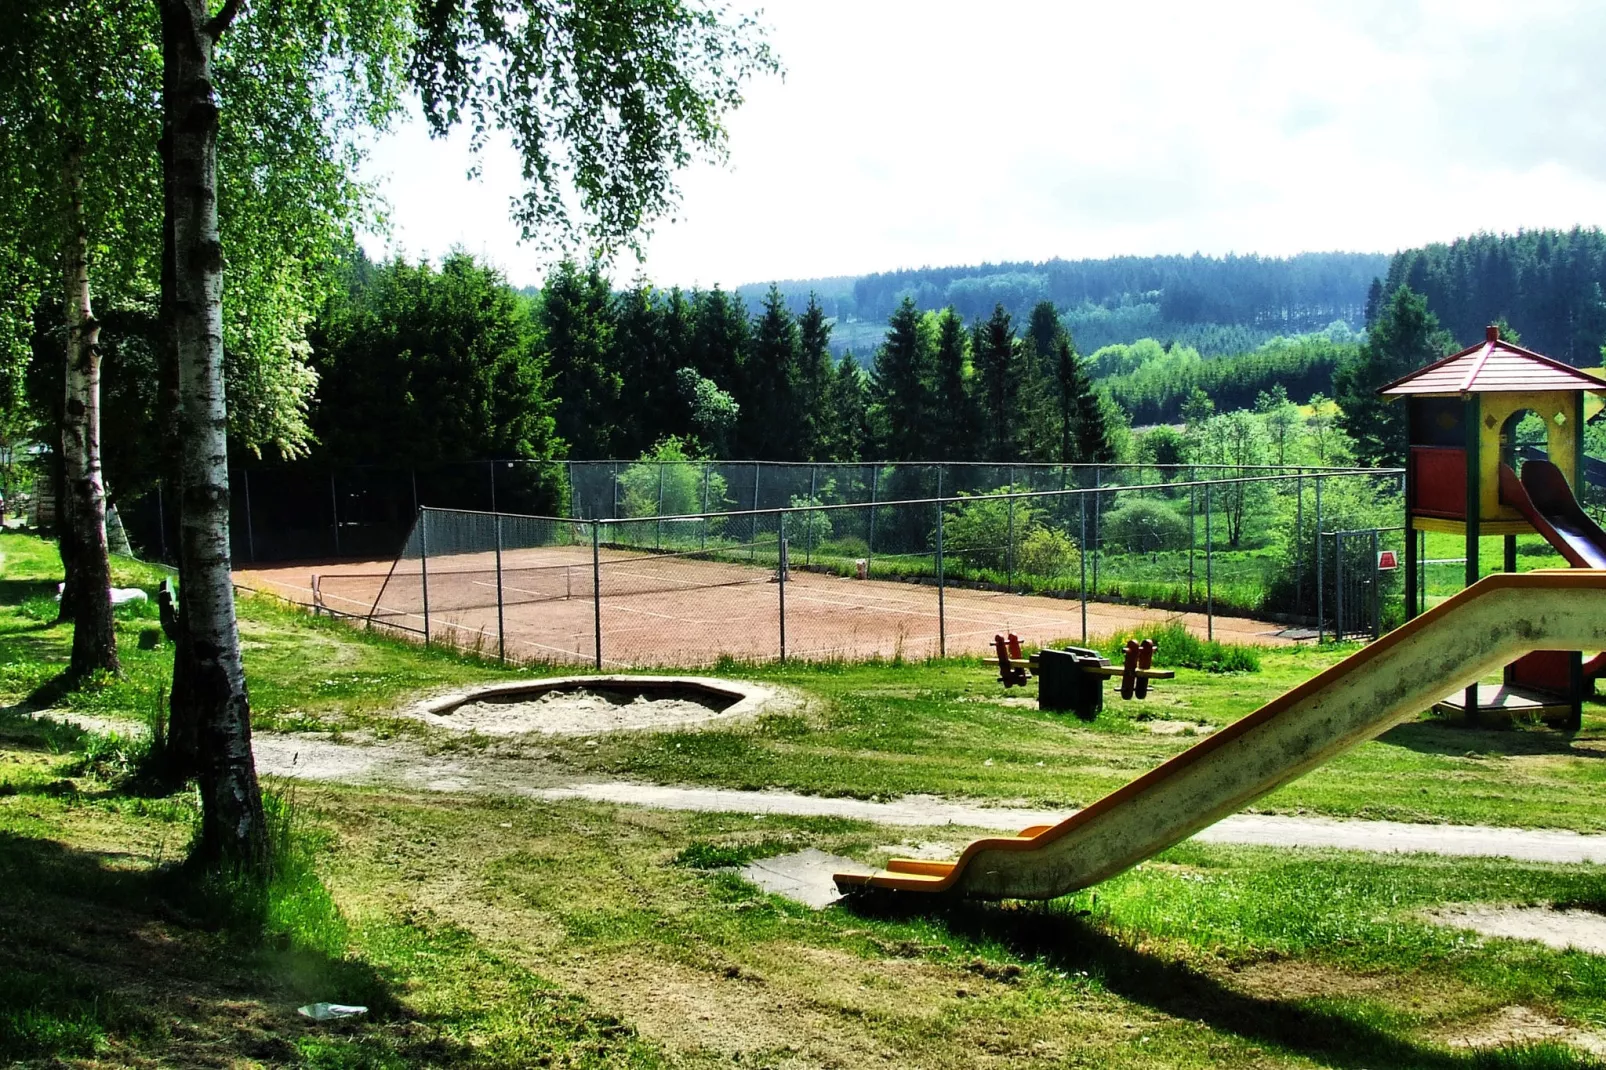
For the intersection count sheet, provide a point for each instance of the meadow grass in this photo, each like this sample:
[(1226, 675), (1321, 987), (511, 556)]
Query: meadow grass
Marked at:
[(499, 931)]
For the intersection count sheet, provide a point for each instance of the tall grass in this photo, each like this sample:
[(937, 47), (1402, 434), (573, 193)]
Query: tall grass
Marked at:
[(1178, 648)]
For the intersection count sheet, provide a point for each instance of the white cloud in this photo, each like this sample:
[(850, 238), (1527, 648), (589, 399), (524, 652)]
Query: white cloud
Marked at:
[(953, 132)]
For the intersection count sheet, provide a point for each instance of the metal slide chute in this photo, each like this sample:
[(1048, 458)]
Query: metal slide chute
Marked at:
[(1449, 647)]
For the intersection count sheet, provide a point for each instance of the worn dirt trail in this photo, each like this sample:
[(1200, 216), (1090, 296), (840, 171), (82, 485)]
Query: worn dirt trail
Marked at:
[(405, 766)]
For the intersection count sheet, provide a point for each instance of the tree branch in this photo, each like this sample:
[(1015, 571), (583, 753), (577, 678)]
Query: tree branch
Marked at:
[(218, 24)]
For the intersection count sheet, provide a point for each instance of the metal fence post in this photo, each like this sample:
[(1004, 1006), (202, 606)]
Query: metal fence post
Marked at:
[(501, 631), (334, 512), (780, 583), (1321, 573), (1009, 547), (1377, 601), (1193, 533), (596, 587), (754, 529), (1081, 556), (1299, 527), (1210, 574), (658, 535), (161, 521), (703, 540), (1338, 585), (942, 610), (250, 534), (869, 542), (492, 466), (423, 565), (814, 499), (1098, 483)]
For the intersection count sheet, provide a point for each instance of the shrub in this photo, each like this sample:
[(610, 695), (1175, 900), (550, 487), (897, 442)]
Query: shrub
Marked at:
[(1048, 553), (1144, 526), (976, 533), (668, 474)]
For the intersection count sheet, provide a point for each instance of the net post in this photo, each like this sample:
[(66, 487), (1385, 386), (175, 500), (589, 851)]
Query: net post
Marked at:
[(1210, 587), (501, 631), (596, 588), (423, 565), (780, 583), (942, 609)]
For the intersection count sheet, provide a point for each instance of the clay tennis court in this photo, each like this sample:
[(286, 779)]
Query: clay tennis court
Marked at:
[(670, 610)]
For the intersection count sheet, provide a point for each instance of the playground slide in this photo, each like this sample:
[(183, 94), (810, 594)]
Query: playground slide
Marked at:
[(1544, 498), (1452, 645)]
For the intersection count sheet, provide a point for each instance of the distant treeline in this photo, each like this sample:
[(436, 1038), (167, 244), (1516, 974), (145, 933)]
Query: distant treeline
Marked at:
[(1546, 283), (1215, 305), (1153, 382)]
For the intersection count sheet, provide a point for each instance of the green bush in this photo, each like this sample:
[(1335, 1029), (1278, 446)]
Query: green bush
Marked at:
[(1048, 554), (666, 477), (1144, 526), (977, 532)]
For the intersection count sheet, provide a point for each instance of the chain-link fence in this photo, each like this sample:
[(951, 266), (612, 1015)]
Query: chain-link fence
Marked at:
[(299, 512), (1239, 558)]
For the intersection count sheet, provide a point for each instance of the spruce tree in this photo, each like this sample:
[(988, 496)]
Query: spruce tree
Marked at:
[(770, 413), (900, 388), (1405, 337), (954, 406), (847, 431), (576, 320), (996, 352), (815, 370)]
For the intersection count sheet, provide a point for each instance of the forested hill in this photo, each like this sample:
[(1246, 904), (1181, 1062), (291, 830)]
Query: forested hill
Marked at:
[(1216, 305), (1546, 283)]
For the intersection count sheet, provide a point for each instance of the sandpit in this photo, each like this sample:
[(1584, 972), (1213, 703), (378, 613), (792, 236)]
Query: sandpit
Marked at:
[(590, 705)]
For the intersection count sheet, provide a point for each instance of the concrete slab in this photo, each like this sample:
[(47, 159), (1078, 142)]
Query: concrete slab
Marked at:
[(806, 876)]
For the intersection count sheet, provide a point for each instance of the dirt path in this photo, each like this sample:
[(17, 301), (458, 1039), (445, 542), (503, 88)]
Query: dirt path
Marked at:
[(404, 766)]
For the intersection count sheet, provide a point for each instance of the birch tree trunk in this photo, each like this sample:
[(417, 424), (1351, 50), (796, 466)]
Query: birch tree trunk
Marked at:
[(83, 500), (232, 826)]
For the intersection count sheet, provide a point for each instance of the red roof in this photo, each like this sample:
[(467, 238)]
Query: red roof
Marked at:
[(1494, 366)]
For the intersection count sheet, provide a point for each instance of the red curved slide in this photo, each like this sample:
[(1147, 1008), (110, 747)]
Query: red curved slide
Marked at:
[(1544, 497)]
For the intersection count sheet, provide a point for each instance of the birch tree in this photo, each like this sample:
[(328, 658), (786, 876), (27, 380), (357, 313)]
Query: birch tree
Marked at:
[(603, 101), (76, 86)]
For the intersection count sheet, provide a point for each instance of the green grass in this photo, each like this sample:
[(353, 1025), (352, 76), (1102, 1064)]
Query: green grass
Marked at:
[(499, 931)]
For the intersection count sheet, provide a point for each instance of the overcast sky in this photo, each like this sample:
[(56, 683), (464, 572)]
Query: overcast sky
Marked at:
[(925, 133)]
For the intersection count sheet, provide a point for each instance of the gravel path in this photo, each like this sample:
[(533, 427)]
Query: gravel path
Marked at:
[(403, 766)]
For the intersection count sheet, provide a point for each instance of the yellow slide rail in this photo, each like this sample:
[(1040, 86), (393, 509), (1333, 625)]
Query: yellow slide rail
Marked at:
[(1452, 645)]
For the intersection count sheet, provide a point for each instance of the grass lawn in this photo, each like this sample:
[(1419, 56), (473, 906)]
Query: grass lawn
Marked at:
[(498, 931)]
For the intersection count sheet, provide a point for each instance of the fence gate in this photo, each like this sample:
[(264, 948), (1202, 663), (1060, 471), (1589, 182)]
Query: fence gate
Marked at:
[(1354, 585)]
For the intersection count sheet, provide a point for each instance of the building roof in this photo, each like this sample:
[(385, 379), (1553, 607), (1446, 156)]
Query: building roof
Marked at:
[(1494, 366)]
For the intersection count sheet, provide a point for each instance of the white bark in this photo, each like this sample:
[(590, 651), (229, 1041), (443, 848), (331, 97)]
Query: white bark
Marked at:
[(232, 818), (83, 504)]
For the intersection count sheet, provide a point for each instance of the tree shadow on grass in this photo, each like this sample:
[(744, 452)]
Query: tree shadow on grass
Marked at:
[(1454, 739), (1065, 942), (99, 958)]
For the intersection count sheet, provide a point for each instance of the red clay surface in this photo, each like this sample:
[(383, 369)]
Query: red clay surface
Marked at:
[(714, 609)]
